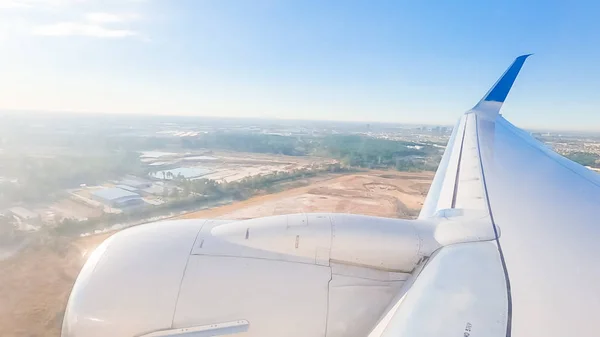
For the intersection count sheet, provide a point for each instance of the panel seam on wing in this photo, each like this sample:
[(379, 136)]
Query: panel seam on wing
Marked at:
[(500, 252), (183, 274), (457, 178)]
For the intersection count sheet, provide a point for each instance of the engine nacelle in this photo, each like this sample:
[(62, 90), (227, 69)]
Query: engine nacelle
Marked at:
[(371, 242), (293, 275)]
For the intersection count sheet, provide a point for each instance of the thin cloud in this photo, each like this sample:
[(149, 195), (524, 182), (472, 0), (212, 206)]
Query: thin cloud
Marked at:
[(102, 17), (83, 29), (10, 4), (69, 18), (95, 24)]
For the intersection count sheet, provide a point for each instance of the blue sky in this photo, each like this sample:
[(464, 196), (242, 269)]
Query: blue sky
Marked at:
[(397, 61)]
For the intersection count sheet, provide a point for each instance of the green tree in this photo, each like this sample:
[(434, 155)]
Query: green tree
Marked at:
[(175, 193), (186, 187), (585, 158)]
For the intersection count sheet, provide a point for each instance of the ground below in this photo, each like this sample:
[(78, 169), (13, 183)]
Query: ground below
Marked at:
[(35, 284)]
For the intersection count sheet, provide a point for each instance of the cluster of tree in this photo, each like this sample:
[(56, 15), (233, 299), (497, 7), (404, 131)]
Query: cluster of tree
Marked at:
[(248, 142), (585, 158), (196, 187), (418, 164), (355, 150)]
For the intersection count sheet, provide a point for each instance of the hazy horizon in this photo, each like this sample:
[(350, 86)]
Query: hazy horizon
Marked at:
[(75, 114), (410, 62)]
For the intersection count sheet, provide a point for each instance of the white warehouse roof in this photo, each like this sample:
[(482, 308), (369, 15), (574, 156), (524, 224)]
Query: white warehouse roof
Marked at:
[(114, 194)]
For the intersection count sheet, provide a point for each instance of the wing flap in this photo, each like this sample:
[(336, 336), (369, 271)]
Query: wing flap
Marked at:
[(460, 292)]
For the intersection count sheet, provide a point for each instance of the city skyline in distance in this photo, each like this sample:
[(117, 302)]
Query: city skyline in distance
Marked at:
[(170, 117)]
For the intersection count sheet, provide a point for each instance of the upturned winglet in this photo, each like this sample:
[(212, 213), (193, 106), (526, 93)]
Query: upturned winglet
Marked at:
[(491, 103)]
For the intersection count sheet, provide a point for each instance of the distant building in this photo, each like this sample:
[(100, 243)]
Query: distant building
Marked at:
[(117, 197), (185, 172), (153, 190), (160, 163), (23, 213), (127, 188), (136, 183)]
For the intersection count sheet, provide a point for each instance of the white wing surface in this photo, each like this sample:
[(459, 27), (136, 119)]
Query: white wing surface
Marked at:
[(544, 279)]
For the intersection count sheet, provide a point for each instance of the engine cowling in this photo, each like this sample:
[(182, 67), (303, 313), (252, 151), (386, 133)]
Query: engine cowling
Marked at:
[(294, 275)]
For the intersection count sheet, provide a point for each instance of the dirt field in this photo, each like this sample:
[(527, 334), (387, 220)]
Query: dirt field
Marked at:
[(35, 284), (71, 209), (380, 193)]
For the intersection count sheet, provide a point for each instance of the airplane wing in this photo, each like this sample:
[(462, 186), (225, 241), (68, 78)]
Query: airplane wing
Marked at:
[(505, 245), (540, 276)]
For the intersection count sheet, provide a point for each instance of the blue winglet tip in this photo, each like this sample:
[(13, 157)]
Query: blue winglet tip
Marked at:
[(501, 89)]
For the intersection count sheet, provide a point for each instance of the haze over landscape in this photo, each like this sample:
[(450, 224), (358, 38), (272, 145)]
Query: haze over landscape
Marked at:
[(116, 114)]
